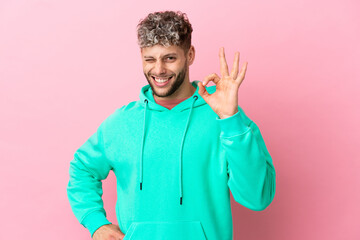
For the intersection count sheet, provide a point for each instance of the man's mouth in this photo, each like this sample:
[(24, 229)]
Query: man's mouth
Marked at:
[(161, 81)]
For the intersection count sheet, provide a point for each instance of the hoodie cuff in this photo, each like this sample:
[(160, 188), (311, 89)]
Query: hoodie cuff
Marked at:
[(233, 125), (95, 220)]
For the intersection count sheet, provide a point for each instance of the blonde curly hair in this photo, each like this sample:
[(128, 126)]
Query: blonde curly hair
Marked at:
[(165, 28)]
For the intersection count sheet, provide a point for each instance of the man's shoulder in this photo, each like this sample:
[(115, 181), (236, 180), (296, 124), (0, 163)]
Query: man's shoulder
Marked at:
[(123, 113), (127, 108)]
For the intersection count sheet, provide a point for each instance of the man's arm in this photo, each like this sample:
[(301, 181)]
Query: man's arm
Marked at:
[(250, 169), (84, 189), (252, 177)]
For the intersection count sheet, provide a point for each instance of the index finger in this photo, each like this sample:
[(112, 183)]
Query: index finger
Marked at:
[(223, 65)]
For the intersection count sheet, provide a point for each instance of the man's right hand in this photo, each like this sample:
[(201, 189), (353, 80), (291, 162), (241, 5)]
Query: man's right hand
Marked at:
[(108, 232)]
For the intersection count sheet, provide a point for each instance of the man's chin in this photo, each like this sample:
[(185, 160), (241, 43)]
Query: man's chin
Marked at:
[(160, 92)]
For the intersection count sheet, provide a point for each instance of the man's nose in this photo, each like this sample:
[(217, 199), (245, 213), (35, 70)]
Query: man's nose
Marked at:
[(159, 68)]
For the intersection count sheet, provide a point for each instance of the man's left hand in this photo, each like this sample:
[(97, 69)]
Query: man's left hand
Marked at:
[(224, 101)]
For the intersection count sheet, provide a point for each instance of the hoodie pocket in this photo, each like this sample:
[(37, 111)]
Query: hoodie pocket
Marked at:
[(174, 230)]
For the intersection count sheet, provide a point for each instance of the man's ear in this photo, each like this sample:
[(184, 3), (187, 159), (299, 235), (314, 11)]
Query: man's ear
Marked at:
[(191, 55)]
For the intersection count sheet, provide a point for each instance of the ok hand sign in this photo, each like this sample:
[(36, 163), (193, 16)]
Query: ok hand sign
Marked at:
[(224, 101)]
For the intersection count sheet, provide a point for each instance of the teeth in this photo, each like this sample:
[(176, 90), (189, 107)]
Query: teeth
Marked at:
[(159, 80)]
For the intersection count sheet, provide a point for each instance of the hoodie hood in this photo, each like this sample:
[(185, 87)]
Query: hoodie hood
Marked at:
[(148, 102)]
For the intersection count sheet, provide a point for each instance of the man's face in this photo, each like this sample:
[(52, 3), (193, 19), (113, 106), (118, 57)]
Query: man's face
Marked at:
[(165, 68)]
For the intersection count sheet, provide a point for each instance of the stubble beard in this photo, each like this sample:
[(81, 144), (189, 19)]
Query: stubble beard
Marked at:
[(175, 85)]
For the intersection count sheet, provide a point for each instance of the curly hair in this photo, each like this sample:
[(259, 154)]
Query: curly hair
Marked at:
[(165, 28)]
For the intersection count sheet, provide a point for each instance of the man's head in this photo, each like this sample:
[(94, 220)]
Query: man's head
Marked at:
[(165, 42)]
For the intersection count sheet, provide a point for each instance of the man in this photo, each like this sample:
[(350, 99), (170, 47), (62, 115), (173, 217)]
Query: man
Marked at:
[(176, 152)]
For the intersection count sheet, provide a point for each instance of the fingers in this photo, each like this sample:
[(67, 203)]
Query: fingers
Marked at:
[(202, 91), (117, 236), (235, 69), (223, 65), (241, 76), (225, 70), (212, 77)]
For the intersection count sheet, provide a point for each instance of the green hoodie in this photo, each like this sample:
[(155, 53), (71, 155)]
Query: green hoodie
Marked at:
[(174, 169)]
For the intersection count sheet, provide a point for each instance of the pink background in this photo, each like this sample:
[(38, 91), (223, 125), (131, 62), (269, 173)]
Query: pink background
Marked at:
[(67, 65)]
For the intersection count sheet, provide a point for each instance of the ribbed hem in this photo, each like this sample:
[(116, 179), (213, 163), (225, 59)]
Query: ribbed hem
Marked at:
[(231, 126), (95, 220)]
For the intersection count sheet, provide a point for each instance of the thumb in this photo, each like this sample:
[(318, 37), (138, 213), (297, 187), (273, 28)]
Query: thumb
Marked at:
[(202, 91)]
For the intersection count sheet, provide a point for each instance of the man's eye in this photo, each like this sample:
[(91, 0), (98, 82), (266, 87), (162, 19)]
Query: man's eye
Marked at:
[(171, 58), (149, 60)]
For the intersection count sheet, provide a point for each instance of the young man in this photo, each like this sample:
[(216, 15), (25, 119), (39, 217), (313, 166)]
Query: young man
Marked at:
[(176, 152)]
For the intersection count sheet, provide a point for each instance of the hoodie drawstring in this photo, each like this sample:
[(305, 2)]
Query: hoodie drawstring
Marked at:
[(181, 148), (142, 146)]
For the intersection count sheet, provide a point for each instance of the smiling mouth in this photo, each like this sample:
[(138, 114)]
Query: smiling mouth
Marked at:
[(161, 80)]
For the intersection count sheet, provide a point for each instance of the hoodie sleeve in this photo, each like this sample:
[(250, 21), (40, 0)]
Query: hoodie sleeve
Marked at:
[(84, 189), (250, 168)]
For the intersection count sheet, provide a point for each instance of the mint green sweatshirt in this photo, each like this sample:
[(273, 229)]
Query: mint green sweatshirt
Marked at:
[(174, 169)]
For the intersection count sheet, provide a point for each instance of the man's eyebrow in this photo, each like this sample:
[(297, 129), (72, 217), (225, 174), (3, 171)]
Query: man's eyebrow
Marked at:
[(170, 54), (166, 55)]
